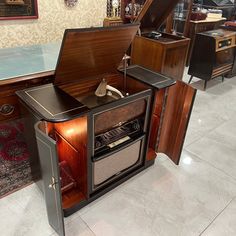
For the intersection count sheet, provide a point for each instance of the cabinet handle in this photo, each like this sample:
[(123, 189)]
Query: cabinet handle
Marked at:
[(53, 184), (6, 109)]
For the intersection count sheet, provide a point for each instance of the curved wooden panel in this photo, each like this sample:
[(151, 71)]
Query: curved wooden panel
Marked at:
[(176, 116)]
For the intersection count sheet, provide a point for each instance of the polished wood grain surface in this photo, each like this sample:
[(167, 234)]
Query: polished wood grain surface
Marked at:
[(92, 53), (28, 78), (151, 154), (74, 131), (163, 56), (175, 120), (72, 141), (72, 198), (88, 86), (10, 86), (134, 86), (109, 119)]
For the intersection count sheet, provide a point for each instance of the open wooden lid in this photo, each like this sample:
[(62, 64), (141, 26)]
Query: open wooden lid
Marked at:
[(92, 52), (154, 13)]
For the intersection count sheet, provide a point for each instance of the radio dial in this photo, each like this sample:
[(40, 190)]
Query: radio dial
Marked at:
[(136, 126), (98, 144)]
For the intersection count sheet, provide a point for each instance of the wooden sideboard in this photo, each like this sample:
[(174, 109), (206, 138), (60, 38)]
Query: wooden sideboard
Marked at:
[(213, 55), (9, 107)]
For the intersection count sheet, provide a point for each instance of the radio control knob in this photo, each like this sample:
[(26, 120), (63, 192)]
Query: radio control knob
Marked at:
[(136, 126), (220, 45), (229, 42), (97, 144)]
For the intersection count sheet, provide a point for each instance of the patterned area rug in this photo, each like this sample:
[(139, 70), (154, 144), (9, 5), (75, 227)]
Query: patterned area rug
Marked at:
[(15, 170)]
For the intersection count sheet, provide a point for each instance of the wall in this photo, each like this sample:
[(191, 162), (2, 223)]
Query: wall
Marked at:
[(54, 17)]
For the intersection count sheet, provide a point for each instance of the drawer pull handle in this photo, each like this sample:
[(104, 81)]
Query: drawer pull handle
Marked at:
[(6, 109)]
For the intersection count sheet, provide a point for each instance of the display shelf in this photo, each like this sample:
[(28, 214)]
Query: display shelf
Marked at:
[(130, 9)]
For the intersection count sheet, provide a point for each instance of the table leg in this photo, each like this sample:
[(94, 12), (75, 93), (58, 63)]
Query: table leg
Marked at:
[(190, 79)]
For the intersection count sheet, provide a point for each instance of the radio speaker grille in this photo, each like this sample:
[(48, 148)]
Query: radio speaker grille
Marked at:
[(115, 163)]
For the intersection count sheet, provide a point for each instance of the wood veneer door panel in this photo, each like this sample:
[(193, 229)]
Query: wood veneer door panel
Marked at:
[(178, 108)]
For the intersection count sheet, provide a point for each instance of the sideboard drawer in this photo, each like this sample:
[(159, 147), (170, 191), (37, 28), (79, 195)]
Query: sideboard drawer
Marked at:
[(9, 108)]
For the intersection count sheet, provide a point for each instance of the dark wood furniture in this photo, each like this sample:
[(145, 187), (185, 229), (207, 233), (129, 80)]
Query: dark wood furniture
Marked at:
[(9, 105), (198, 27), (69, 119), (228, 27), (213, 55), (160, 54)]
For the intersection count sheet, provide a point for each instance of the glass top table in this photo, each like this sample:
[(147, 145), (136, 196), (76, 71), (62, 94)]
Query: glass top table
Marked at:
[(28, 60)]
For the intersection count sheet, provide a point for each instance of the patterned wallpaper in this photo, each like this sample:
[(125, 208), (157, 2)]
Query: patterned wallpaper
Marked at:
[(54, 18)]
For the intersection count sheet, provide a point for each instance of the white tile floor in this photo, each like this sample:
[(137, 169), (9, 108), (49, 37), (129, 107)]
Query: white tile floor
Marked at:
[(198, 197)]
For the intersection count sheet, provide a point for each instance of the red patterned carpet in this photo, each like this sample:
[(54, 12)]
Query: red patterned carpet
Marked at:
[(14, 158)]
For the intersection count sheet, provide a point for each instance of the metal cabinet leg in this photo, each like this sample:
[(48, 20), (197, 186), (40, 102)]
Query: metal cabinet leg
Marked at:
[(205, 84), (223, 78), (190, 79)]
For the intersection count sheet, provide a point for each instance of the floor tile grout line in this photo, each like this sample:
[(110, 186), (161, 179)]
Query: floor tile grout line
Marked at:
[(218, 215), (88, 226), (232, 177), (194, 141), (218, 142), (204, 135)]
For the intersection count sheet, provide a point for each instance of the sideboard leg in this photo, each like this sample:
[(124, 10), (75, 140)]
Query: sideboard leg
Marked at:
[(190, 79)]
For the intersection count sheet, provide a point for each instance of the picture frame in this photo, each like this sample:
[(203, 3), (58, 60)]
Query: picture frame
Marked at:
[(18, 9)]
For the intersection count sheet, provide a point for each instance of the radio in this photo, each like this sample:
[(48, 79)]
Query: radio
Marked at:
[(118, 135)]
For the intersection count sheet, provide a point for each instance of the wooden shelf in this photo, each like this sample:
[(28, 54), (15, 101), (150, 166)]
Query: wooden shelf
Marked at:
[(71, 198)]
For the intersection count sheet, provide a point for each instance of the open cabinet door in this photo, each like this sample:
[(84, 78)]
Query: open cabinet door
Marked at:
[(175, 118), (51, 179)]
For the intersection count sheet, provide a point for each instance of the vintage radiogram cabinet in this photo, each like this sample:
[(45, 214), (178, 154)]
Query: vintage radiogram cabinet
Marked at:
[(161, 52), (213, 55), (95, 126)]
